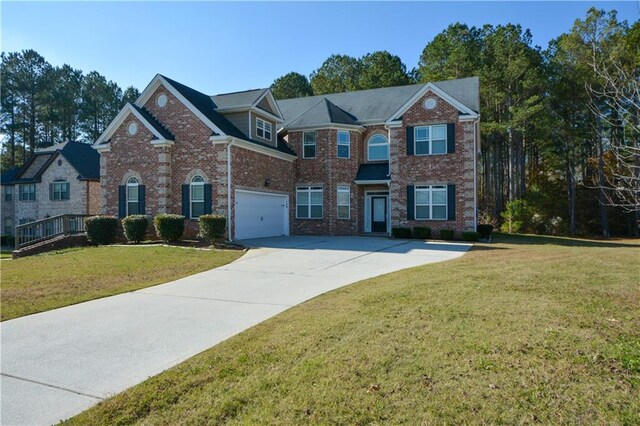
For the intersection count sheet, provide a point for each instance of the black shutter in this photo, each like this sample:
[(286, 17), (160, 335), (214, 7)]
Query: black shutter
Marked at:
[(122, 201), (411, 202), (451, 202), (451, 138), (141, 205), (67, 192), (207, 198), (410, 140), (185, 201)]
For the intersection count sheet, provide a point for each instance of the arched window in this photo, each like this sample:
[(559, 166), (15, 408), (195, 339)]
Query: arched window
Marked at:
[(378, 148), (196, 192), (133, 198)]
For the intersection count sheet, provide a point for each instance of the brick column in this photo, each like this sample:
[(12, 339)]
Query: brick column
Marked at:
[(164, 179)]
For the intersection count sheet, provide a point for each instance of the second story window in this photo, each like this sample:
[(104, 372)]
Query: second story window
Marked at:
[(59, 190), (378, 148), (430, 140), (28, 192), (344, 144), (263, 129), (309, 145), (7, 193)]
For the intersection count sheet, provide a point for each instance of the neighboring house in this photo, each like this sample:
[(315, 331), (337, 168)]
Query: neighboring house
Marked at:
[(339, 164), (61, 179)]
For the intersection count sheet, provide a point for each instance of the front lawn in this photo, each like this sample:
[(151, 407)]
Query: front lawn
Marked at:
[(47, 281), (525, 330), (5, 254)]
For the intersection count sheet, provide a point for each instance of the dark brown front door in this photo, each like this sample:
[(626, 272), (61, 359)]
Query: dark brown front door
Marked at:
[(379, 214)]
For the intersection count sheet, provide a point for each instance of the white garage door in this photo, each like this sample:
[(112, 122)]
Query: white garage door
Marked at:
[(259, 215)]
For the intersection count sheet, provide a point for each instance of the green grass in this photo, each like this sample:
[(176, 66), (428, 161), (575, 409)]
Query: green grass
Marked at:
[(525, 330), (5, 254), (48, 281)]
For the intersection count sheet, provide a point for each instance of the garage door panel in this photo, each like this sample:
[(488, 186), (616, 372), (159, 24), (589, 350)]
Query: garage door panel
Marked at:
[(260, 215)]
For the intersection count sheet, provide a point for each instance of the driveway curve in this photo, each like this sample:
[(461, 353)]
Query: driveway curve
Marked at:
[(58, 363)]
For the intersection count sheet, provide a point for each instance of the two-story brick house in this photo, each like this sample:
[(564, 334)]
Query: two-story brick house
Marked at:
[(339, 164), (60, 179)]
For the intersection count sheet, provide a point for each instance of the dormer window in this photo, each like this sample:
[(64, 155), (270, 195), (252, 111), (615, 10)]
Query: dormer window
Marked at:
[(263, 129)]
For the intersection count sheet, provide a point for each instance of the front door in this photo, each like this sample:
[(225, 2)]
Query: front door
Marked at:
[(379, 214)]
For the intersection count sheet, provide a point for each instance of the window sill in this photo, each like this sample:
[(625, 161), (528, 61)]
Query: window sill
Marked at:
[(309, 218)]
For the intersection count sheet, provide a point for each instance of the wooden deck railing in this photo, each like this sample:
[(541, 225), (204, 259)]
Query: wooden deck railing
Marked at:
[(46, 229)]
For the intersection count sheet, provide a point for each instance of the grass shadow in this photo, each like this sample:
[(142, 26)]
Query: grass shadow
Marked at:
[(561, 241)]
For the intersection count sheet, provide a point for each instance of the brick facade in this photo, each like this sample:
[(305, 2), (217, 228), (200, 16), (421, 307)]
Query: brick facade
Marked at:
[(163, 170)]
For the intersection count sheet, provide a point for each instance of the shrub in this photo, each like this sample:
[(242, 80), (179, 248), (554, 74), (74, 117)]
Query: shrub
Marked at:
[(421, 232), (101, 229), (169, 227), (471, 236), (516, 214), (212, 227), (401, 232), (447, 234), (7, 240), (485, 230), (135, 227)]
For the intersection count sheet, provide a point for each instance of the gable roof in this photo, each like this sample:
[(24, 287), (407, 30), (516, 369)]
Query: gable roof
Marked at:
[(81, 156), (151, 120), (237, 99), (378, 105)]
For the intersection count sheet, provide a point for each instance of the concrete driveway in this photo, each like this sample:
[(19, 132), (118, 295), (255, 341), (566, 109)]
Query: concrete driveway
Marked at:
[(59, 363)]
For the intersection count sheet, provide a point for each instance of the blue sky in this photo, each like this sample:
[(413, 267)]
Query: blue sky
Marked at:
[(222, 47)]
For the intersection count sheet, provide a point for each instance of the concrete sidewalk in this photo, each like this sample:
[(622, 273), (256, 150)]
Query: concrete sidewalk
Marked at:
[(58, 363)]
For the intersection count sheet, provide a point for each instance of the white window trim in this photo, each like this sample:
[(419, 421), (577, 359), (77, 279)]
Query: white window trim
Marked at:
[(266, 127), (193, 183), (131, 182), (7, 192), (347, 144), (377, 144), (61, 183), (430, 189), (30, 186), (304, 144), (430, 140), (309, 190), (347, 189)]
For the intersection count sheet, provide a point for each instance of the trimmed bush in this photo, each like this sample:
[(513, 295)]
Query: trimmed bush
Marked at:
[(169, 227), (7, 240), (101, 229), (485, 230), (135, 227), (471, 236), (421, 232), (212, 227), (401, 232), (447, 234)]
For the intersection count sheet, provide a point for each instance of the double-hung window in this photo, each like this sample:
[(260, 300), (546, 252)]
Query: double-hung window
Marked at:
[(7, 192), (344, 144), (133, 200), (309, 145), (263, 129), (430, 140), (431, 202), (28, 192), (196, 192), (309, 202), (60, 190), (344, 202)]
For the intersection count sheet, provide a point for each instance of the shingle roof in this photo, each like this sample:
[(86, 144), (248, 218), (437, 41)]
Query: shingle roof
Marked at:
[(323, 112), (8, 177), (205, 105), (154, 123), (380, 104), (81, 156), (237, 99), (373, 172)]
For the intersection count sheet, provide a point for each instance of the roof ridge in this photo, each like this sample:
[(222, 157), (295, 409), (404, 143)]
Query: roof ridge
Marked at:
[(241, 91)]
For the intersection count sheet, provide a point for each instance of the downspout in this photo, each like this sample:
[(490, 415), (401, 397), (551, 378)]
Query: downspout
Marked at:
[(389, 176), (229, 188), (475, 174)]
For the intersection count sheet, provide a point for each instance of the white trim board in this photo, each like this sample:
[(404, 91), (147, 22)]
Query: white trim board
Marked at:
[(122, 115)]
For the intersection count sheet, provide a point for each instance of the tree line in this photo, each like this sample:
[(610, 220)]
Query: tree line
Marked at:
[(560, 129), (43, 104)]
